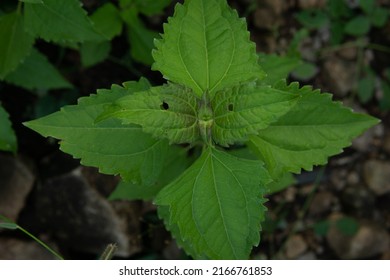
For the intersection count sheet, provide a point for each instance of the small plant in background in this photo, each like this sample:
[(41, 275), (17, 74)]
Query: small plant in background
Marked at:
[(25, 22), (349, 28), (208, 145)]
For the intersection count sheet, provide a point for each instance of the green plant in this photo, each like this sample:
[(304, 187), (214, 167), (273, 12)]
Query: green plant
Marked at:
[(349, 28), (24, 22), (7, 135), (244, 131)]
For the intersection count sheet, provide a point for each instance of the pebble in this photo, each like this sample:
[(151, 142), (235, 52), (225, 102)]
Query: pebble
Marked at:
[(83, 220), (377, 176), (16, 249), (339, 74), (16, 183), (369, 241), (295, 246)]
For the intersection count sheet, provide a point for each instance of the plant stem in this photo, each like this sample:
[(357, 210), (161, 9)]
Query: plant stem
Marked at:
[(41, 243), (33, 237)]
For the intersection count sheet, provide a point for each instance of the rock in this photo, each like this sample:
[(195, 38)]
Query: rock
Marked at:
[(357, 199), (83, 220), (339, 74), (311, 4), (269, 14), (369, 241), (295, 246), (321, 203), (308, 256), (377, 176), (386, 143), (15, 249), (16, 182), (264, 19), (366, 141), (348, 53)]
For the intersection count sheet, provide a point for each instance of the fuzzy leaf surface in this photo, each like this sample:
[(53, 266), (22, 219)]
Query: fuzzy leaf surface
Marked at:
[(36, 72), (7, 135), (58, 21), (111, 146), (315, 129), (244, 110), (15, 43), (214, 208), (206, 47), (167, 111)]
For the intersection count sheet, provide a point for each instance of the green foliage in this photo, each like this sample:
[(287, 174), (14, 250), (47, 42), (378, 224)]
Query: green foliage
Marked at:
[(68, 21), (7, 135), (277, 67), (217, 98), (141, 161), (350, 28), (316, 127), (206, 47), (216, 204), (358, 26), (15, 43), (36, 72)]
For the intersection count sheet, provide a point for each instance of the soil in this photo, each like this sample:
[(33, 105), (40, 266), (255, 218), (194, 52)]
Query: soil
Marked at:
[(339, 211)]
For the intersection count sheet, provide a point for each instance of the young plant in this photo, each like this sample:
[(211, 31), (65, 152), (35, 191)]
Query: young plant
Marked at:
[(216, 98)]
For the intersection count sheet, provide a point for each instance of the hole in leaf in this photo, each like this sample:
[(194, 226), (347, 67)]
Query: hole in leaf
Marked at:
[(230, 107), (164, 106)]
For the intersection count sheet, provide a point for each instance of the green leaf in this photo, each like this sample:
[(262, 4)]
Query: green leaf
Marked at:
[(147, 7), (244, 110), (7, 135), (367, 6), (167, 111), (385, 101), (151, 7), (309, 133), (206, 47), (358, 26), (107, 20), (32, 1), (58, 20), (379, 17), (348, 226), (177, 162), (305, 71), (94, 52), (285, 181), (15, 43), (11, 226), (337, 32), (366, 87), (109, 145), (140, 38), (277, 67), (339, 9), (36, 72), (312, 19), (215, 206)]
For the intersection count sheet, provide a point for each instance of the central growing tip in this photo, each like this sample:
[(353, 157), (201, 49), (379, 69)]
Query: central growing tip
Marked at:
[(205, 118)]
